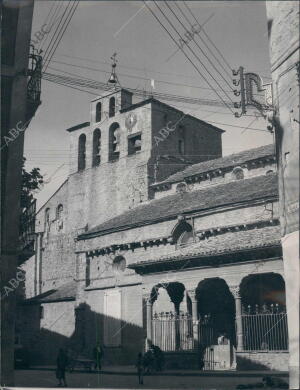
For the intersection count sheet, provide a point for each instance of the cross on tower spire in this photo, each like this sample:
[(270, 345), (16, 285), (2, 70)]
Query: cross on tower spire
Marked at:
[(113, 77)]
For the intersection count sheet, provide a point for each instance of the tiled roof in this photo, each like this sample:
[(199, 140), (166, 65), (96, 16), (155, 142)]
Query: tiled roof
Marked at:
[(66, 292), (170, 206), (221, 163), (221, 244)]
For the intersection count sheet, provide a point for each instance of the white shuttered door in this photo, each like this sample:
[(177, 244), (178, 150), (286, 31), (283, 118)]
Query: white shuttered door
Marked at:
[(112, 320)]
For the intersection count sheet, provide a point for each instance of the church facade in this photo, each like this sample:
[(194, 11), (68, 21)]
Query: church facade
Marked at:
[(155, 238)]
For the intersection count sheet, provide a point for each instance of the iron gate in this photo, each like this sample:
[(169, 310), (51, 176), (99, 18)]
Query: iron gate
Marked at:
[(207, 337), (173, 332), (265, 328)]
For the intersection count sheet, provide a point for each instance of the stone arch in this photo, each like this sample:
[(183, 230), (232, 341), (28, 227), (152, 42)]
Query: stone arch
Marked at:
[(264, 312), (98, 112), (263, 289), (112, 107), (81, 152), (238, 173), (114, 141), (96, 147), (216, 303), (119, 265), (47, 220), (175, 291), (182, 233)]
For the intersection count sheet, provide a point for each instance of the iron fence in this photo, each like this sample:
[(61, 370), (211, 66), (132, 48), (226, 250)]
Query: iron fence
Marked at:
[(173, 332), (207, 334), (265, 328)]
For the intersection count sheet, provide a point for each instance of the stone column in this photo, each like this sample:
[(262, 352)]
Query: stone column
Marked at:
[(235, 290), (149, 306), (192, 295)]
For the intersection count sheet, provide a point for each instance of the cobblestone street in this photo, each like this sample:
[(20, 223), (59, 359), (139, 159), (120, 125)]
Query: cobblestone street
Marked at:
[(109, 380)]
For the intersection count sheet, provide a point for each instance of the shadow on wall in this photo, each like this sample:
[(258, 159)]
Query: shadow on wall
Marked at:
[(122, 343)]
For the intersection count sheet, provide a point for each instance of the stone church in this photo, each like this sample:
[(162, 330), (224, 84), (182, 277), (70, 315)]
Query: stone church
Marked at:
[(155, 238)]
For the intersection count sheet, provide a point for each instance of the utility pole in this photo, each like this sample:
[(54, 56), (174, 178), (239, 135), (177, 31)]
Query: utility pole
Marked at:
[(283, 29)]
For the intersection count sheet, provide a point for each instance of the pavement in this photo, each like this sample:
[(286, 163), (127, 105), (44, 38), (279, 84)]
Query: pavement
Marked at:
[(125, 377)]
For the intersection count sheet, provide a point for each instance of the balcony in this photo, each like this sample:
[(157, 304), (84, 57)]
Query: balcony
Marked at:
[(27, 232), (34, 84)]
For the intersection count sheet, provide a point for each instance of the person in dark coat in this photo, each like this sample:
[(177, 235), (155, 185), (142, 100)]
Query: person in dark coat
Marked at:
[(61, 365), (98, 354), (140, 368), (158, 357)]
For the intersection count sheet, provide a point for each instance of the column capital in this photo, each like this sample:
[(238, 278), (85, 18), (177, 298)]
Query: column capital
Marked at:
[(192, 293), (235, 291), (147, 297)]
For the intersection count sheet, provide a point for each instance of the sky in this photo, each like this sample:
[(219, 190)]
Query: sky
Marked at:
[(238, 29)]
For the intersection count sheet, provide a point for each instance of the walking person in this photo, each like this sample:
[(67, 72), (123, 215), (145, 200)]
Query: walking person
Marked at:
[(61, 365), (98, 354), (140, 368)]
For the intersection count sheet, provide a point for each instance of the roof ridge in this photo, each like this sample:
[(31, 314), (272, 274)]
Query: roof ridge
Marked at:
[(214, 160), (158, 203)]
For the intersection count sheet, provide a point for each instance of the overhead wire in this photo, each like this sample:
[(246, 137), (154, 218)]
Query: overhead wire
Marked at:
[(212, 43), (202, 51), (89, 83), (55, 33), (220, 97), (203, 41), (102, 86), (61, 33), (52, 21), (131, 76), (187, 45)]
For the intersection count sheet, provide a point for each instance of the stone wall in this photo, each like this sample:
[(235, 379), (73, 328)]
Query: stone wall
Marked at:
[(43, 335), (216, 180), (262, 361), (54, 260), (283, 23), (129, 330)]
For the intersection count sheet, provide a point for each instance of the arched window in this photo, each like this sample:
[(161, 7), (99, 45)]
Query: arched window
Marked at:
[(47, 220), (119, 265), (59, 217), (81, 152), (114, 142), (183, 234), (112, 107), (59, 211), (238, 173), (98, 111), (181, 146), (270, 172), (181, 188), (96, 147)]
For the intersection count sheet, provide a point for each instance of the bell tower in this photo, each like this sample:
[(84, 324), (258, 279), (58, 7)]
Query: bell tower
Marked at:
[(109, 104)]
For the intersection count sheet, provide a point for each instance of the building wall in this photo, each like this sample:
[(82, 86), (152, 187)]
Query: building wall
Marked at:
[(15, 40), (201, 141), (54, 260), (277, 361), (129, 331), (283, 23), (225, 177), (114, 187), (43, 336)]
